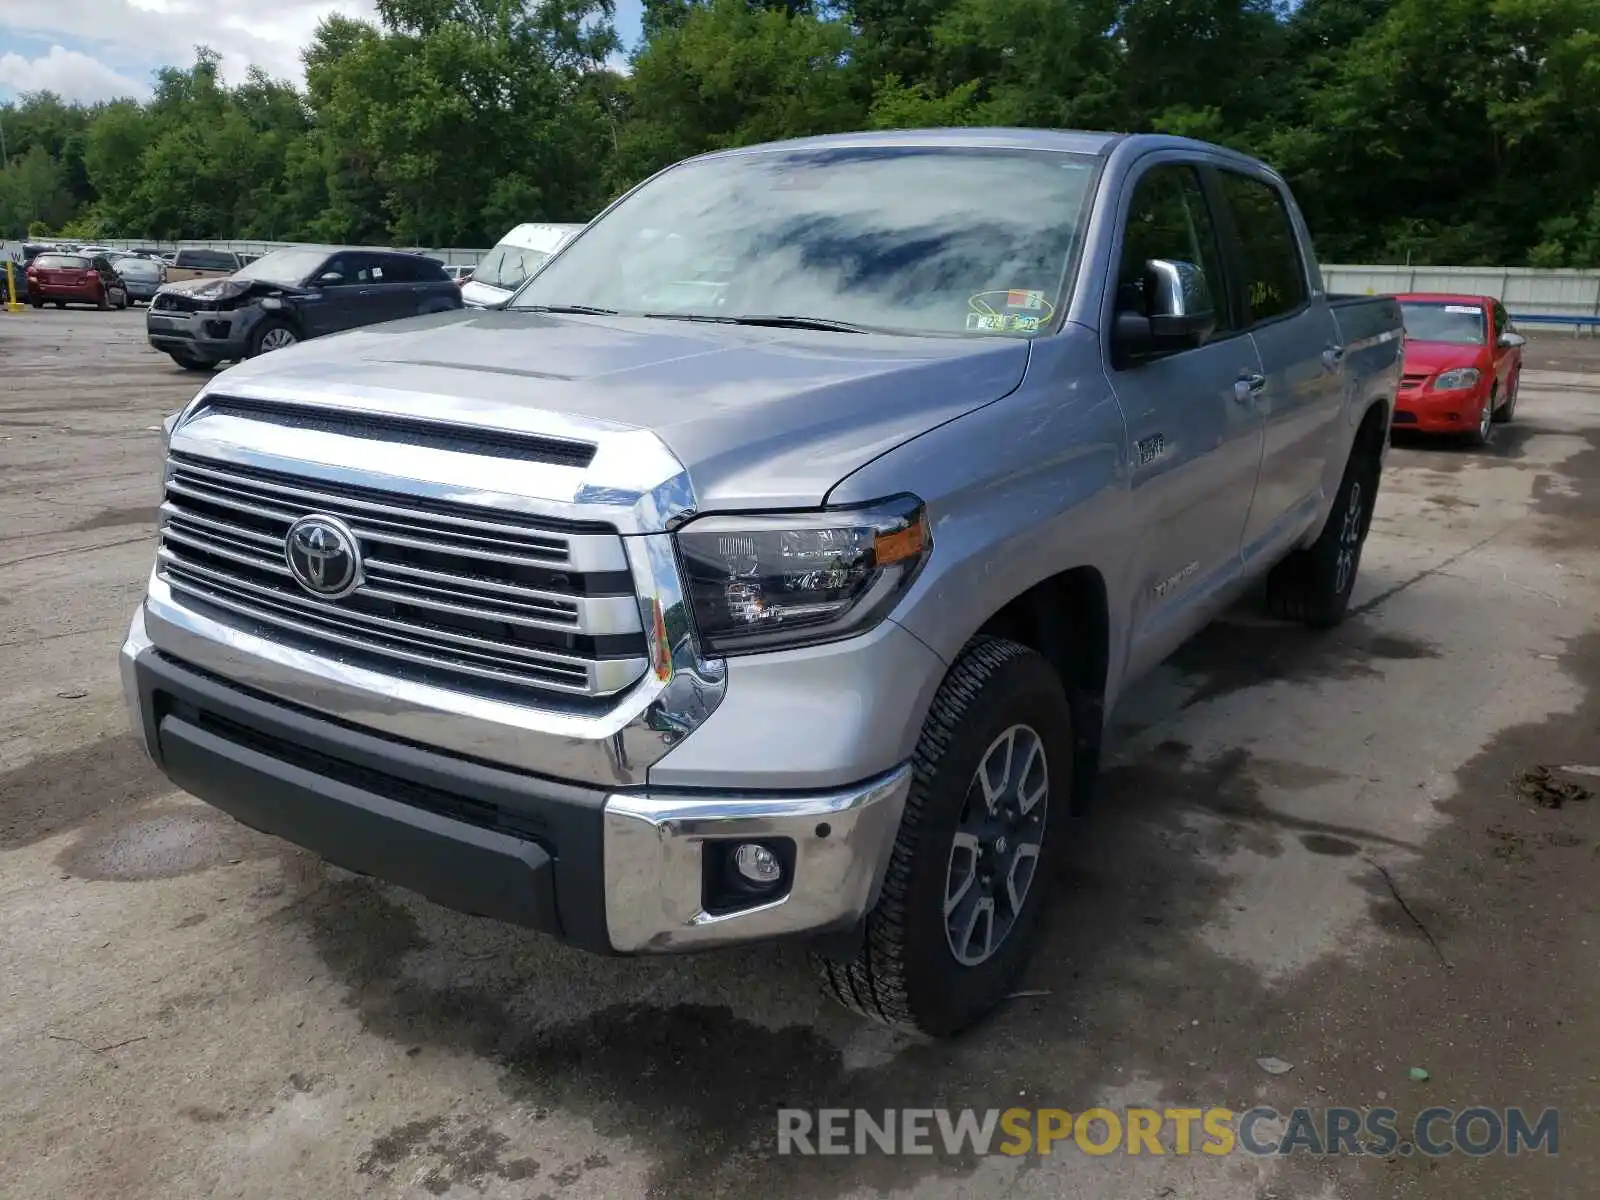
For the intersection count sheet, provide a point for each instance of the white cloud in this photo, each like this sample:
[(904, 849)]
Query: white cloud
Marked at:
[(69, 74), (265, 33)]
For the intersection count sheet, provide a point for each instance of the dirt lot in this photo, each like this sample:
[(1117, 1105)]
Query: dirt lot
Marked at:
[(1310, 848)]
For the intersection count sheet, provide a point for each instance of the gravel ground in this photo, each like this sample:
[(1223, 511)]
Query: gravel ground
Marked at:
[(1309, 847)]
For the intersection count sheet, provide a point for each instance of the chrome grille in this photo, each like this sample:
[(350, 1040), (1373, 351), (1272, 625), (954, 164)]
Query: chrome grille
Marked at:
[(449, 593)]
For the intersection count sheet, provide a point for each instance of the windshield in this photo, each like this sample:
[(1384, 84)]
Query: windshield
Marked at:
[(1460, 324), (68, 262), (290, 267), (929, 240), (508, 266)]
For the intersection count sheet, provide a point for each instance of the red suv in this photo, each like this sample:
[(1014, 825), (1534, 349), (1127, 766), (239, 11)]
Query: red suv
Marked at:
[(75, 278)]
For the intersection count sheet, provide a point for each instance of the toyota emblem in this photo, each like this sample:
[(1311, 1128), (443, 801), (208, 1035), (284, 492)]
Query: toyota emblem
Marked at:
[(324, 556)]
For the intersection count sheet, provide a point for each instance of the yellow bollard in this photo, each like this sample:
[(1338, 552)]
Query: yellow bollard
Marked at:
[(11, 288)]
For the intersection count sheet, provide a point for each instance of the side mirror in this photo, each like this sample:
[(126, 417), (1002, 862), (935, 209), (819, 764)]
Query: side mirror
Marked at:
[(1511, 341), (328, 278), (1180, 313)]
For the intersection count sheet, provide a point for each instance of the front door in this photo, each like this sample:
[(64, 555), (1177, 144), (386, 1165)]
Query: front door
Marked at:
[(1193, 431)]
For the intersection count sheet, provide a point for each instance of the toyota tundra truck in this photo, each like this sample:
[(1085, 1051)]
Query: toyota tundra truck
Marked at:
[(769, 565)]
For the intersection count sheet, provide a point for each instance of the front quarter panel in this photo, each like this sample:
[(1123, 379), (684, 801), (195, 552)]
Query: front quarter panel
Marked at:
[(1017, 491)]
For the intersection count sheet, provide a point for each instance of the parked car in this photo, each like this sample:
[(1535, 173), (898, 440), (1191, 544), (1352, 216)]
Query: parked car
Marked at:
[(1463, 364), (797, 607), (290, 295), (63, 279), (143, 276), (147, 252), (458, 273), (202, 264), (516, 257)]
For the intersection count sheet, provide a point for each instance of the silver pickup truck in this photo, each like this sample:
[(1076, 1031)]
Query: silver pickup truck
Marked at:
[(769, 566)]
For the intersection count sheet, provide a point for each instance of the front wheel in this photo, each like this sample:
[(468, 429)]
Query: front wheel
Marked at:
[(957, 918), (189, 362), (1313, 585), (1481, 433), (271, 335), (1506, 411)]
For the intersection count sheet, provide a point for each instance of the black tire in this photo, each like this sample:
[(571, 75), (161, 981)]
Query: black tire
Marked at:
[(38, 303), (59, 303), (1508, 410), (262, 331), (189, 363), (1483, 431), (906, 972), (123, 302), (1308, 586)]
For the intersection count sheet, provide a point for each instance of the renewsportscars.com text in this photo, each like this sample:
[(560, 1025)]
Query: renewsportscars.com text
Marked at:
[(1434, 1132)]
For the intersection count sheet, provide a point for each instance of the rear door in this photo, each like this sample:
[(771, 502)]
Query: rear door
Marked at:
[(405, 284), (1298, 341), (1194, 434)]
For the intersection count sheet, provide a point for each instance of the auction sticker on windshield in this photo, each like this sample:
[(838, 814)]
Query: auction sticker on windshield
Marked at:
[(1011, 310), (1465, 309)]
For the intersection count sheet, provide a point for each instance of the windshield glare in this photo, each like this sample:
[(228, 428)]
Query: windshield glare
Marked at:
[(926, 240), (508, 266), (1458, 324), (289, 267)]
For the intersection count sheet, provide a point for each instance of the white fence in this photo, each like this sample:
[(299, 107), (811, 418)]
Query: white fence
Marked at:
[(1523, 290), (450, 255)]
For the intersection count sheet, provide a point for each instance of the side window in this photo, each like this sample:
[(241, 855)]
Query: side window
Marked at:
[(338, 265), (1500, 321), (1168, 218), (1275, 280)]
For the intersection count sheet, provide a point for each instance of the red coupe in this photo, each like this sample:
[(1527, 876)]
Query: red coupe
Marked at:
[(1463, 361)]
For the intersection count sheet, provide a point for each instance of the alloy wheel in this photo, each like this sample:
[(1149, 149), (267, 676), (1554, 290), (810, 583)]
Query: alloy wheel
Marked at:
[(995, 852)]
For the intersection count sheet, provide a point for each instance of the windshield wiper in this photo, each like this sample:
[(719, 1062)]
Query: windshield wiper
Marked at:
[(773, 322), (582, 310)]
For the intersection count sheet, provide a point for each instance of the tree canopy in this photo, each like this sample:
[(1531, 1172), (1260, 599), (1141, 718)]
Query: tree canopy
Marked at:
[(1434, 131)]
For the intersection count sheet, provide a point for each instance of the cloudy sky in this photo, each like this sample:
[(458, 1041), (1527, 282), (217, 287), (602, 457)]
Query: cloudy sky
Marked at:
[(99, 49)]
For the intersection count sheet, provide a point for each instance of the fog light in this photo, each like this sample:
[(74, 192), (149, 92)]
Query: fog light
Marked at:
[(757, 865)]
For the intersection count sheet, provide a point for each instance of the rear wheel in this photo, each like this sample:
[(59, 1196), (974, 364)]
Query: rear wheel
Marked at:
[(122, 299), (103, 302), (956, 920), (1313, 585)]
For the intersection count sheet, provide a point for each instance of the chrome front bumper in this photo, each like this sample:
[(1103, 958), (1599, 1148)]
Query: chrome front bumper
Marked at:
[(611, 871), (654, 846)]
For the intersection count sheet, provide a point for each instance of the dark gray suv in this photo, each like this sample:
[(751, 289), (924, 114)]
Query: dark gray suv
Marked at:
[(290, 295)]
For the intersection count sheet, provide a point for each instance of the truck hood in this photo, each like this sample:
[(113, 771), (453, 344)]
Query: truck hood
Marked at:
[(759, 417)]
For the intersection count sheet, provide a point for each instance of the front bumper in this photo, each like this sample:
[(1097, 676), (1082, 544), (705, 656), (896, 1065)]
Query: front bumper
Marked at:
[(208, 334), (1428, 411), (611, 872)]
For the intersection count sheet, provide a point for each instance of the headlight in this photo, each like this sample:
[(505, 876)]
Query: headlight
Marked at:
[(778, 580), (1461, 377)]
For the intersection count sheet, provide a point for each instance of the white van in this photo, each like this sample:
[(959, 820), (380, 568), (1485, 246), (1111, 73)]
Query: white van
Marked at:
[(519, 254)]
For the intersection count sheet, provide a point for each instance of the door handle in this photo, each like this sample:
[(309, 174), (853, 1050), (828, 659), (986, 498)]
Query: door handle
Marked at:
[(1248, 386), (1332, 357)]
